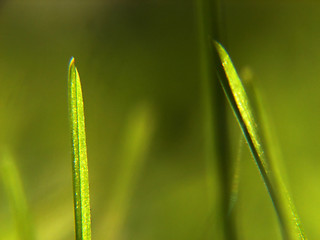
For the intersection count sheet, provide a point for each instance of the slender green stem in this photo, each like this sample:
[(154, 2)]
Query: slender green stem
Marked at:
[(206, 75), (79, 156), (210, 23)]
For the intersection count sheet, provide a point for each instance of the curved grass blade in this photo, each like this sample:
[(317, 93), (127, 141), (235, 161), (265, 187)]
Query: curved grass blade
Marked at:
[(79, 154), (16, 196), (238, 99)]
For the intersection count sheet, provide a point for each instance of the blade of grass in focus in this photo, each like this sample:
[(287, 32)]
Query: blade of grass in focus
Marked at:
[(16, 196), (238, 99), (79, 156)]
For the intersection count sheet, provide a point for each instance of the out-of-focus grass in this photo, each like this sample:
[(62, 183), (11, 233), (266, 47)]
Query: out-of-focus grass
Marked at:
[(135, 146), (130, 51), (12, 182)]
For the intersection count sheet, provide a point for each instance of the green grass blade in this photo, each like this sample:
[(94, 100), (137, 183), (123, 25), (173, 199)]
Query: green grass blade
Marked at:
[(136, 141), (16, 196), (236, 178), (79, 152), (209, 19), (238, 99), (269, 135)]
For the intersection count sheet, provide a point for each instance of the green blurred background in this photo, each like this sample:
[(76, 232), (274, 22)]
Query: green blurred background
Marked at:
[(139, 65)]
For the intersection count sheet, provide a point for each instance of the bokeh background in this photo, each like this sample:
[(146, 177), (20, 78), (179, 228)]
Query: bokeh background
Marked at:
[(139, 65)]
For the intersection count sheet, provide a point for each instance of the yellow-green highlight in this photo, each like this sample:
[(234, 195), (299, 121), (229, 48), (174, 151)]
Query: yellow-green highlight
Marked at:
[(239, 101), (79, 156)]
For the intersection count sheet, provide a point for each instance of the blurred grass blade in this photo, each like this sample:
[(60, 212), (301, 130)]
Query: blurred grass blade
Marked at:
[(136, 141), (79, 152), (238, 99), (16, 197), (236, 177)]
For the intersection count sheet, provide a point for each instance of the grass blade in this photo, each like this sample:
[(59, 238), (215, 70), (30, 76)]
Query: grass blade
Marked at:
[(236, 178), (136, 141), (238, 99), (79, 153), (16, 196), (209, 18), (267, 128)]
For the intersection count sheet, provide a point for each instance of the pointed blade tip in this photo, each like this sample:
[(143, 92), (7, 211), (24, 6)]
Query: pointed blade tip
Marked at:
[(71, 61)]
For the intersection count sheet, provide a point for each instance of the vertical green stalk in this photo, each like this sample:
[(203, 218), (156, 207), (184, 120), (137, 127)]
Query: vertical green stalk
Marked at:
[(209, 18), (79, 156), (206, 75), (16, 196)]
